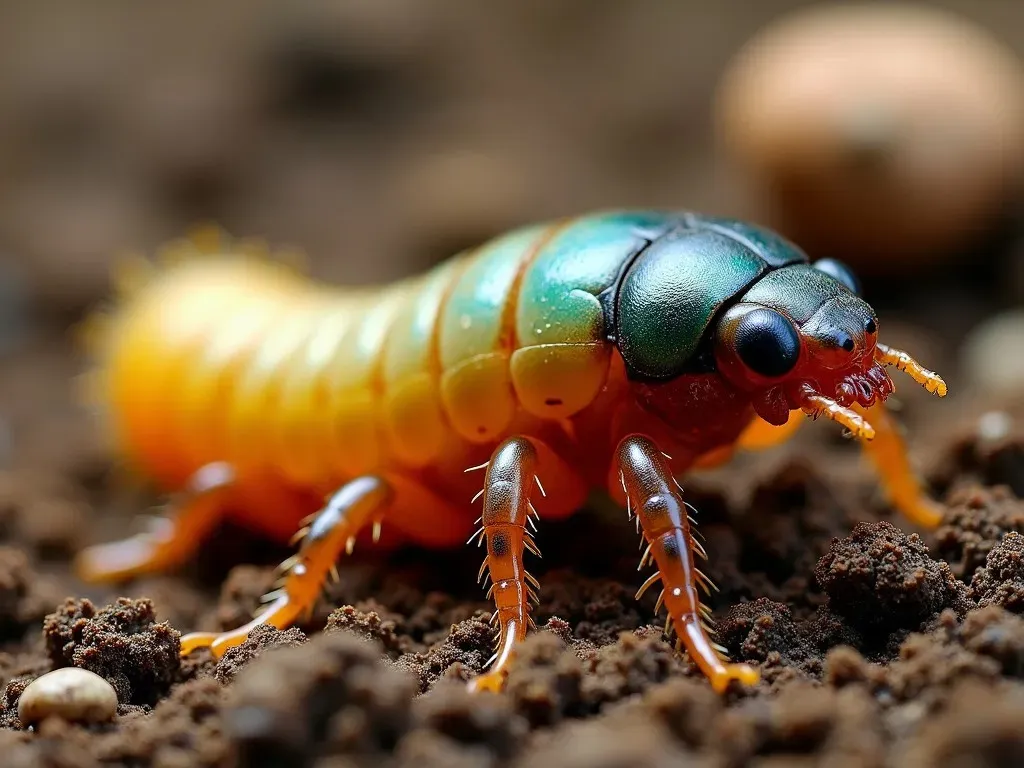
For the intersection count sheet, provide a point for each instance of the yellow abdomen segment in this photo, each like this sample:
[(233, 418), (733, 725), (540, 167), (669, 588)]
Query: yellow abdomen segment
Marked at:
[(244, 361)]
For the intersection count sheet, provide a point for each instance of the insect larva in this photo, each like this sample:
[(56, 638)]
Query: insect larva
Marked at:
[(614, 351)]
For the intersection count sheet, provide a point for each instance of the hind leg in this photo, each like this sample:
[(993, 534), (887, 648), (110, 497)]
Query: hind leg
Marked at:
[(171, 540), (358, 504), (367, 502)]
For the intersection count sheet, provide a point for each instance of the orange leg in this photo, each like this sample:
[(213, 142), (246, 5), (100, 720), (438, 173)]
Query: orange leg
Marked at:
[(888, 453), (760, 435), (508, 485), (886, 450), (329, 532), (171, 541), (654, 498)]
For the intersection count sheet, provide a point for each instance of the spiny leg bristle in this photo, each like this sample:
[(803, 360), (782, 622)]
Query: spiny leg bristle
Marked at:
[(650, 582), (531, 546), (270, 597), (645, 558)]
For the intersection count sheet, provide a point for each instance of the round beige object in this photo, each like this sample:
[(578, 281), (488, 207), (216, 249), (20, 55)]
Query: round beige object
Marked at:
[(73, 694), (884, 134)]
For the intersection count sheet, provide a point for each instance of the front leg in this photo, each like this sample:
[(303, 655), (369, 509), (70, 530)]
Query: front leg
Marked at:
[(654, 497), (888, 453), (508, 485)]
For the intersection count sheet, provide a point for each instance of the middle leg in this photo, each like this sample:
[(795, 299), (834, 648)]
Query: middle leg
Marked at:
[(652, 495)]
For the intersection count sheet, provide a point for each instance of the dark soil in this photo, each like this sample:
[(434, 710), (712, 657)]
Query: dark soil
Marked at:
[(348, 131), (873, 641)]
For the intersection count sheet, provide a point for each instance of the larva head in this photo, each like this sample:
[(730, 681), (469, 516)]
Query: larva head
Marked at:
[(746, 306), (801, 329)]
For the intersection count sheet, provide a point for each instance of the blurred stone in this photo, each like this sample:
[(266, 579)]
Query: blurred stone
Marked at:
[(994, 426), (885, 134), (73, 694), (992, 356)]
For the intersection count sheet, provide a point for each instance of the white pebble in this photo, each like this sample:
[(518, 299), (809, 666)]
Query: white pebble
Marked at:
[(73, 694), (992, 356), (994, 426)]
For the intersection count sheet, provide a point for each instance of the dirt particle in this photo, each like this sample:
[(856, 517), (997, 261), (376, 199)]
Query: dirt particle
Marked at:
[(340, 699), (993, 633), (628, 667), (880, 579), (25, 595), (608, 742), (598, 610), (688, 708), (981, 727), (260, 639), (461, 654), (472, 720), (977, 519), (1001, 580), (545, 685), (122, 643), (186, 728), (368, 625), (928, 665), (756, 629), (845, 666)]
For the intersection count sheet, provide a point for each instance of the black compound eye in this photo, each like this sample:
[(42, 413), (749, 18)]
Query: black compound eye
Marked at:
[(840, 272), (767, 343)]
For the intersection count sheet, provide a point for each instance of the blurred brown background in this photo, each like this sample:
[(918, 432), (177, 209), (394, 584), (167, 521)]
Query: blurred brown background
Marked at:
[(378, 135)]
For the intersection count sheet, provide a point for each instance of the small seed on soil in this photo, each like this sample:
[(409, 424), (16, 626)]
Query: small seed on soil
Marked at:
[(74, 694)]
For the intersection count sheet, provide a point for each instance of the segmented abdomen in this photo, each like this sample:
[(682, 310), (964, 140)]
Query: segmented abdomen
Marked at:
[(243, 361)]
